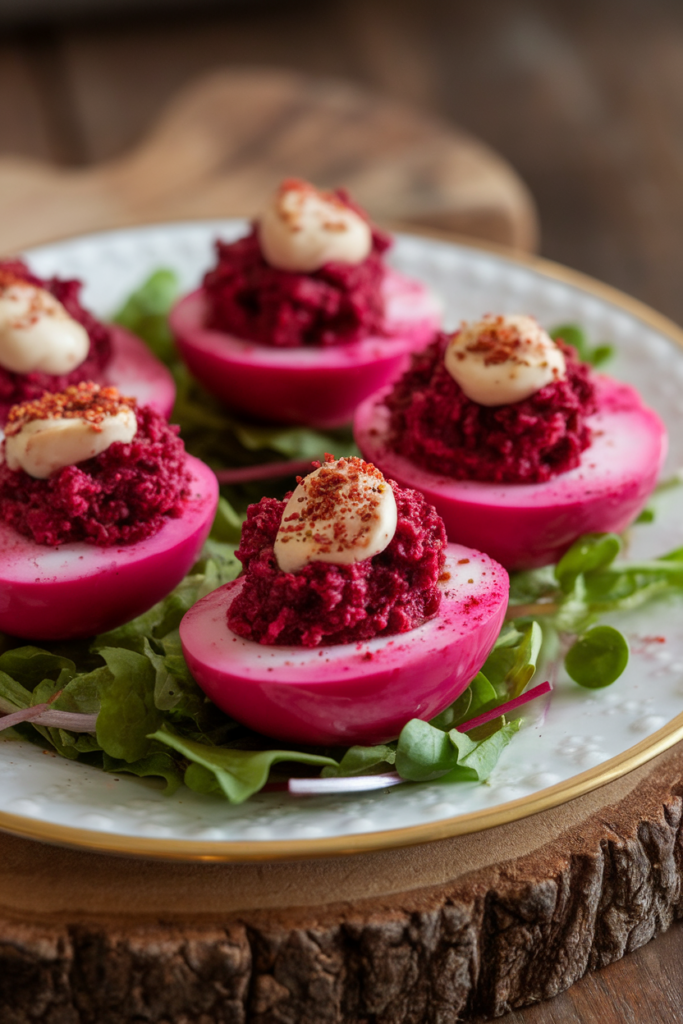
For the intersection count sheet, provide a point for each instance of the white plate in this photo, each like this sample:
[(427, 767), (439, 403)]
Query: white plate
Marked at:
[(579, 740)]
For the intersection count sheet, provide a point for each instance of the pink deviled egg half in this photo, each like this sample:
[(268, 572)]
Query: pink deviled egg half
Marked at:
[(49, 341), (526, 525), (359, 691), (289, 362), (55, 587)]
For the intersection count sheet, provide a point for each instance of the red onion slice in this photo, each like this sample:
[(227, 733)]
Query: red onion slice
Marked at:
[(264, 471)]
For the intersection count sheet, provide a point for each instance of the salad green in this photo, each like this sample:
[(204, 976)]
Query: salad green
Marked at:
[(152, 718)]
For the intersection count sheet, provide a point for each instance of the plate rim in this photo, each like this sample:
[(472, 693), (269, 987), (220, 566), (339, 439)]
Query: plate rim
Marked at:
[(622, 764)]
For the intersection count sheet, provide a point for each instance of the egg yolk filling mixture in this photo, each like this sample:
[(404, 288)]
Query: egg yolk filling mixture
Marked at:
[(336, 304), (22, 387), (435, 425), (392, 591), (122, 495)]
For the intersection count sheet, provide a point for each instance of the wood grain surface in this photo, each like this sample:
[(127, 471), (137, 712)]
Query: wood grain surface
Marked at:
[(474, 924), (227, 140), (584, 99)]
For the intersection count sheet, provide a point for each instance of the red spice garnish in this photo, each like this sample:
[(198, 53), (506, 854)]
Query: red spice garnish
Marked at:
[(304, 188), (121, 496), (498, 340), (39, 300), (338, 488), (436, 426), (9, 277), (87, 401), (392, 592)]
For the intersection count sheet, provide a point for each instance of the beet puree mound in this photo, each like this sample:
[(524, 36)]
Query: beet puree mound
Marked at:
[(392, 592), (335, 305), (121, 496), (24, 387), (436, 426)]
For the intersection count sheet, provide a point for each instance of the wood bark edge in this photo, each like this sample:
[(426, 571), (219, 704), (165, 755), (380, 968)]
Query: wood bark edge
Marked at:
[(494, 940)]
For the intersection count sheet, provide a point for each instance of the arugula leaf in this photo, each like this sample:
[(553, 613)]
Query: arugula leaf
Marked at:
[(590, 553), (425, 753), (483, 695), (145, 313), (127, 710), (82, 693), (532, 584), (30, 665), (159, 763), (296, 442), (455, 713), (510, 669), (480, 762), (573, 335), (174, 687), (227, 525), (238, 773), (363, 761), (13, 696)]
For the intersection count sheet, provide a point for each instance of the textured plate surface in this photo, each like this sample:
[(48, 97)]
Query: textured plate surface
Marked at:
[(577, 740)]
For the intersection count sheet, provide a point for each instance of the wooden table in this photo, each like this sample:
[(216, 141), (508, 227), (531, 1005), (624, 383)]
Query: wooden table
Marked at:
[(584, 98)]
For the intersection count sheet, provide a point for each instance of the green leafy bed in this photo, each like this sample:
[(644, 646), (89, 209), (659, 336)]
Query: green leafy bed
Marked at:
[(152, 718)]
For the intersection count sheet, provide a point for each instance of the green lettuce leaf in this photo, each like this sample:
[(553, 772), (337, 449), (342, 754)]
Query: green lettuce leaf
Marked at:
[(573, 335), (30, 665), (145, 313), (510, 669), (159, 763), (425, 753), (13, 696), (127, 710), (364, 761), (238, 773)]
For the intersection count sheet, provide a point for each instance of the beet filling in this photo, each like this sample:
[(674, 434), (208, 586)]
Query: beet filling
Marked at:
[(338, 304), (121, 496), (24, 387), (392, 592), (436, 426)]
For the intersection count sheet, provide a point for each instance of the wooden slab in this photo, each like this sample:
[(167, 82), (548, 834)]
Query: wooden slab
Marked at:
[(226, 141), (472, 925)]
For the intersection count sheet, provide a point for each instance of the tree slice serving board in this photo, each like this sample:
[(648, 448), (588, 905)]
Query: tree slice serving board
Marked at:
[(475, 924), (226, 141)]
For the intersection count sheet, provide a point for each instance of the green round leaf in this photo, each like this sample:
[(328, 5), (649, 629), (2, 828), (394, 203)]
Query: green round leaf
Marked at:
[(591, 552), (572, 335), (597, 658)]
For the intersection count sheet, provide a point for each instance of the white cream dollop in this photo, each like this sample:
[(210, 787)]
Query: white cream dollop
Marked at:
[(44, 446), (36, 332), (342, 513), (301, 229), (503, 359)]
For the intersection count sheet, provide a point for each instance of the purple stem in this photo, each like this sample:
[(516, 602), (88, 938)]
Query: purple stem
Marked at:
[(43, 714), (265, 471), (504, 709)]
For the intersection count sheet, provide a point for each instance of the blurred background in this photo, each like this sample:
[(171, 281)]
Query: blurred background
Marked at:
[(582, 101)]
